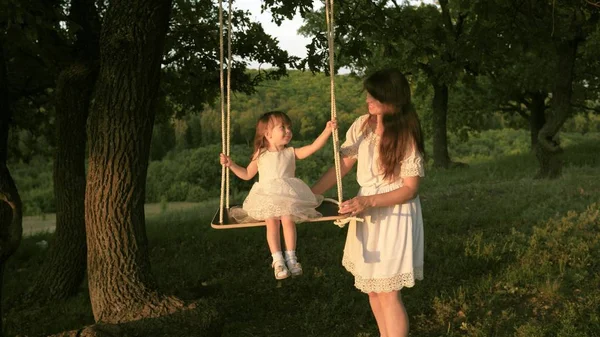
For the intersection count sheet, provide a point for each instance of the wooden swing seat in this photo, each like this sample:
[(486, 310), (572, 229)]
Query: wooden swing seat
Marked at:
[(328, 209)]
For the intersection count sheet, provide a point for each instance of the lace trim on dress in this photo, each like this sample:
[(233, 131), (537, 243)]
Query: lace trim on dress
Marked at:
[(297, 214), (412, 166), (349, 148), (384, 285), (349, 151)]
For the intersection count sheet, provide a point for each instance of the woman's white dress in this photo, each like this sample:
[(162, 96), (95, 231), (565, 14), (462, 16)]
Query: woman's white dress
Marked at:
[(385, 252), (278, 192)]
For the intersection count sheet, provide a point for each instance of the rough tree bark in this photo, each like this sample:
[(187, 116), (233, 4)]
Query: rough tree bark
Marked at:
[(537, 119), (11, 208), (548, 150), (120, 124), (11, 219), (64, 269)]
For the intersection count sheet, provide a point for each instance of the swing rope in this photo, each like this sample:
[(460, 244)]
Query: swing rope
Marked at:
[(336, 154), (228, 95), (329, 15), (225, 115)]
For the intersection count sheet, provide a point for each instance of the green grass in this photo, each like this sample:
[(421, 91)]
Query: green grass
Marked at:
[(506, 255)]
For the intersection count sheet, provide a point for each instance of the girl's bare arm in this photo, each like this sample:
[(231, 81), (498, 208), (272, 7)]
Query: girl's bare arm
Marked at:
[(245, 173)]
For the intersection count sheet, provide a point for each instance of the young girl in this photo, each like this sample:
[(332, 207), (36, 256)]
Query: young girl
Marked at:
[(278, 196)]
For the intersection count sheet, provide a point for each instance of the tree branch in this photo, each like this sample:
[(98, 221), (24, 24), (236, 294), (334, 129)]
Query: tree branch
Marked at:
[(396, 4), (446, 16), (460, 24), (511, 107), (595, 4)]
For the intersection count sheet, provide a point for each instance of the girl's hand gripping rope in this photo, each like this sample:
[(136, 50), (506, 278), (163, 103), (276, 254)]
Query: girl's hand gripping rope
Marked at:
[(225, 160)]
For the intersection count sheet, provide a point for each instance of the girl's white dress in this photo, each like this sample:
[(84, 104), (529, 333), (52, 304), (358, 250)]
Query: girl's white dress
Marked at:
[(385, 252), (278, 192)]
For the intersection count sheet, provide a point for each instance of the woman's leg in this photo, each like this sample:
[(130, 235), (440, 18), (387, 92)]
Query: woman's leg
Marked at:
[(394, 314), (378, 313)]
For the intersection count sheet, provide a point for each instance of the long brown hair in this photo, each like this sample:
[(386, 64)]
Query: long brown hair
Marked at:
[(401, 127), (264, 124)]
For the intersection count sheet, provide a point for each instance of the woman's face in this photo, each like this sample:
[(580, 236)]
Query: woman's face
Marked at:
[(376, 107)]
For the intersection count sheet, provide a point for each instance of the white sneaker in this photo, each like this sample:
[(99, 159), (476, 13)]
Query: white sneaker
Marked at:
[(280, 270), (294, 267)]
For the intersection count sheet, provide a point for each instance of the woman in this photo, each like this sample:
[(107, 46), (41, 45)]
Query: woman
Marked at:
[(385, 252)]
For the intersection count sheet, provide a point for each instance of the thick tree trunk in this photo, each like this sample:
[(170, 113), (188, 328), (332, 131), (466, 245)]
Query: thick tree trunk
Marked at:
[(11, 208), (11, 220), (120, 124), (1, 299), (64, 269), (538, 116), (548, 150), (440, 136), (5, 109)]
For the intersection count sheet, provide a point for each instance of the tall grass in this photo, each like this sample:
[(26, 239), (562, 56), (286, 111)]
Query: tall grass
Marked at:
[(506, 255)]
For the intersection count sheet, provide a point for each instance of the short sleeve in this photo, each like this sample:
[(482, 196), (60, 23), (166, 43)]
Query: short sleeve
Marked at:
[(350, 147), (412, 165)]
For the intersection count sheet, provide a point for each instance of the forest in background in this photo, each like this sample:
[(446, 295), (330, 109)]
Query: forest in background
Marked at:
[(184, 151)]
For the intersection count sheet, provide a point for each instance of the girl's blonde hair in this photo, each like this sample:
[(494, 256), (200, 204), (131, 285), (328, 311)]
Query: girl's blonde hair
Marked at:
[(264, 124)]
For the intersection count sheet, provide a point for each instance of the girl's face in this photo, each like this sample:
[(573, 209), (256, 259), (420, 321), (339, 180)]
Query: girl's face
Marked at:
[(376, 107), (280, 134)]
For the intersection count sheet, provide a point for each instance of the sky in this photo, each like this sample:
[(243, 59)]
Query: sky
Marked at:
[(286, 33)]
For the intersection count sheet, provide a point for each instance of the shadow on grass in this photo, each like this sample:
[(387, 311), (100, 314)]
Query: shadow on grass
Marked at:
[(201, 320)]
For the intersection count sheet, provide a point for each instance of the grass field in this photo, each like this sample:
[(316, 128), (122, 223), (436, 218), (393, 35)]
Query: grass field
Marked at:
[(506, 255)]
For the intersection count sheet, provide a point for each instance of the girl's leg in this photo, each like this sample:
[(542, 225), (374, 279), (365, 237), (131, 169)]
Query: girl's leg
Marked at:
[(289, 236), (274, 242), (289, 233), (273, 235), (378, 313), (394, 314)]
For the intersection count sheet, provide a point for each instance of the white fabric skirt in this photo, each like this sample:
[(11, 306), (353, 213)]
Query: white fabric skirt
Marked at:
[(385, 253), (279, 197)]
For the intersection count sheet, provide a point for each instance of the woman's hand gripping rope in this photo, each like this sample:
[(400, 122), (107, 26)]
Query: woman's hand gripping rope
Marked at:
[(342, 222), (355, 205)]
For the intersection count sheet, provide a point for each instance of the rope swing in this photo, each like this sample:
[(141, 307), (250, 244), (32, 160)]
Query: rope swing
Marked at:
[(225, 117), (329, 18), (329, 208), (335, 137)]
